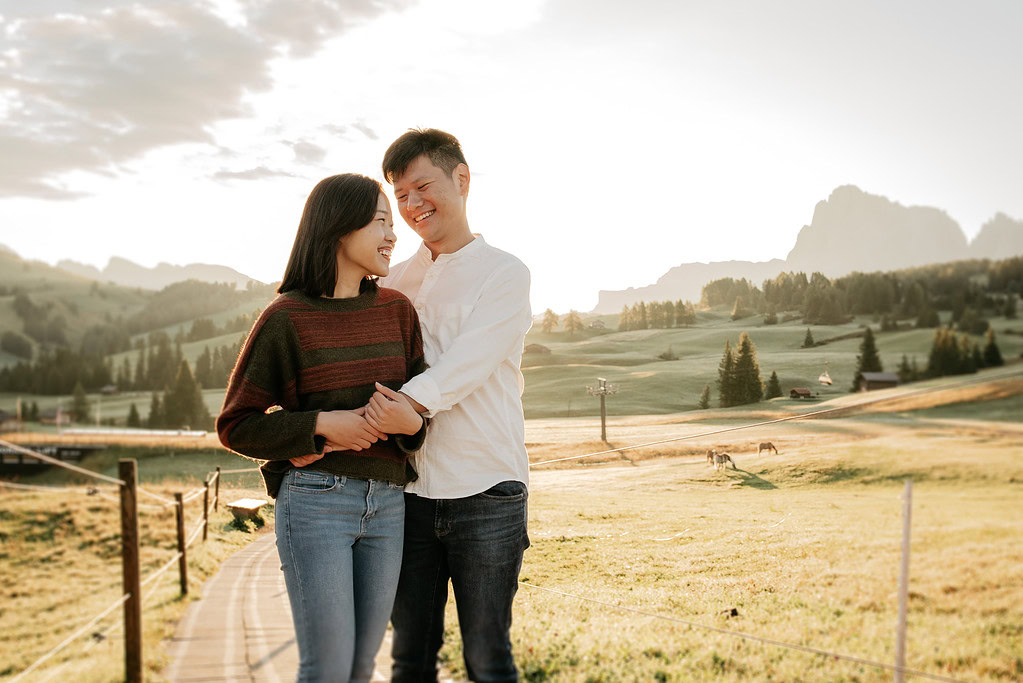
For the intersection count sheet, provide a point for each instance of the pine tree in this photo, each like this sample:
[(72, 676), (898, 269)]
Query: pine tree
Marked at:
[(773, 387), (726, 378), (124, 377), (204, 367), (550, 321), (573, 322), (808, 340), (1009, 310), (992, 354), (624, 323), (705, 397), (928, 317), (640, 319), (140, 370), (80, 403), (867, 360), (739, 310), (133, 417), (681, 314), (904, 371), (749, 386), (183, 405), (33, 412), (155, 418)]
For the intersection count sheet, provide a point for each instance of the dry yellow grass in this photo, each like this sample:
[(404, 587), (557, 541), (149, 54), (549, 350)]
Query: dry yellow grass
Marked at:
[(61, 559), (804, 545)]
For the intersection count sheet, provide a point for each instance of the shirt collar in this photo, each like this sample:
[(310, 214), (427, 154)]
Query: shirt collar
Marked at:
[(473, 249)]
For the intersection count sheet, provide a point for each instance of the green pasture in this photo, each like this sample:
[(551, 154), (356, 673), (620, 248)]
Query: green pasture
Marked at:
[(556, 382)]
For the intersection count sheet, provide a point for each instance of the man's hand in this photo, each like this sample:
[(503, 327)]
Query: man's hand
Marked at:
[(303, 460), (347, 430), (392, 412)]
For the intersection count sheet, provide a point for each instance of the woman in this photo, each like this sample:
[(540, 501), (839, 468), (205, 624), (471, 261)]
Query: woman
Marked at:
[(299, 398)]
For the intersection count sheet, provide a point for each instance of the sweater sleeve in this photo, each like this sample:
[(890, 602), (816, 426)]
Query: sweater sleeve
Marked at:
[(416, 364), (260, 418)]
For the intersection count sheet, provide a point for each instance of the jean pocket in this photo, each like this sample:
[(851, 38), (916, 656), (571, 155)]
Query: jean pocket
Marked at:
[(507, 491), (312, 481)]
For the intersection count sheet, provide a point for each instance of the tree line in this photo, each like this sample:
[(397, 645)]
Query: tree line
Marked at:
[(657, 315), (971, 290), (154, 366)]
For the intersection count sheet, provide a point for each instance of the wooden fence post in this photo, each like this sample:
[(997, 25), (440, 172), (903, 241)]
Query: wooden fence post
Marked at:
[(900, 629), (179, 513), (205, 509), (130, 571), (216, 492)]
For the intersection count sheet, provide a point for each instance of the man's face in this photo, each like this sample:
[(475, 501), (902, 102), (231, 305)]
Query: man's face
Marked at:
[(431, 201)]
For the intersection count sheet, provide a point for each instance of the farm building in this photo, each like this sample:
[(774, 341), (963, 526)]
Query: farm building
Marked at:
[(869, 381), (800, 392), (597, 325)]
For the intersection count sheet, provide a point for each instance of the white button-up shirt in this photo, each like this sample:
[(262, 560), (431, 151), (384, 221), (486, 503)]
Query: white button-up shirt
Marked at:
[(474, 310)]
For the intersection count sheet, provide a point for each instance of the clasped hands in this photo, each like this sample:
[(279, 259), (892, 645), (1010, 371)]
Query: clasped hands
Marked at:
[(388, 412)]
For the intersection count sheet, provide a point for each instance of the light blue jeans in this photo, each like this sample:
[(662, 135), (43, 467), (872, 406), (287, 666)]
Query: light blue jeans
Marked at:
[(340, 544)]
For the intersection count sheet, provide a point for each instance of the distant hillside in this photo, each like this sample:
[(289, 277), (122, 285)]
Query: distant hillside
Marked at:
[(128, 274), (999, 237), (686, 281), (851, 230), (53, 308)]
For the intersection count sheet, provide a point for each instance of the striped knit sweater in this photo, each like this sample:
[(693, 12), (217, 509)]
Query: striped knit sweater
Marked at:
[(307, 354)]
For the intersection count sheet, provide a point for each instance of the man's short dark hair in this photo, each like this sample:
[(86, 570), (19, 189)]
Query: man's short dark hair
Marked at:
[(441, 148)]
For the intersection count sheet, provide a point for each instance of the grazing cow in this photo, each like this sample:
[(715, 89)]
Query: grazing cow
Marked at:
[(767, 446), (721, 460)]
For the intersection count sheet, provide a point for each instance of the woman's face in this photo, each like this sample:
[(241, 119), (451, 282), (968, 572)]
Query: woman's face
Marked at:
[(369, 248)]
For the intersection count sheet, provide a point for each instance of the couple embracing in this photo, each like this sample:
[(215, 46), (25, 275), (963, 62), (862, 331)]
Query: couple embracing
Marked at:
[(386, 404)]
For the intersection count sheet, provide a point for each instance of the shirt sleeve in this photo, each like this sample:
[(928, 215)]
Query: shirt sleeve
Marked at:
[(490, 333), (265, 379)]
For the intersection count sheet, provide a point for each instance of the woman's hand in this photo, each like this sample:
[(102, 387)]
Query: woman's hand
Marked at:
[(347, 430), (392, 413)]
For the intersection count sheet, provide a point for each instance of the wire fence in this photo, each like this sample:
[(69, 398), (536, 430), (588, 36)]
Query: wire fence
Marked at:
[(132, 598)]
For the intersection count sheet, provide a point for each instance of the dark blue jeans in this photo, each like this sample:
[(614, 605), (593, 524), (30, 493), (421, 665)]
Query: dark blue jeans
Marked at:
[(477, 544)]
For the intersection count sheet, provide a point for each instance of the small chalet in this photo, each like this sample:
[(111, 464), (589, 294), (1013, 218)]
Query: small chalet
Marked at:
[(869, 381), (535, 348), (800, 392), (109, 390), (597, 325)]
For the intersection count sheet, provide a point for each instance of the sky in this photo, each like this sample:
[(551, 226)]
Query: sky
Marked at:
[(607, 141)]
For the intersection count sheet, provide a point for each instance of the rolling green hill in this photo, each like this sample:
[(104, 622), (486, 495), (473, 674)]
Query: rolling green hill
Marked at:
[(556, 382)]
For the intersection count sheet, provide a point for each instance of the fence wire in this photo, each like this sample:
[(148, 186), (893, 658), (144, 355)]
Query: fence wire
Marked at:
[(73, 637), (750, 636)]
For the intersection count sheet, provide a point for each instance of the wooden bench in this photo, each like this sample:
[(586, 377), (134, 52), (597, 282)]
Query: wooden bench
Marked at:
[(246, 508)]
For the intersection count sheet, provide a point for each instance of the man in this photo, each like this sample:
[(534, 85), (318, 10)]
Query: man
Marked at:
[(465, 516)]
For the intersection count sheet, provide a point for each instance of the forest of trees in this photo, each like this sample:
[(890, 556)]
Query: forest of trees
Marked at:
[(657, 315), (971, 290), (153, 366)]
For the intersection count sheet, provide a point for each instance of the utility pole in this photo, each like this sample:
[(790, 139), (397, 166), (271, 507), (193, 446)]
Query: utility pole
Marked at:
[(603, 389)]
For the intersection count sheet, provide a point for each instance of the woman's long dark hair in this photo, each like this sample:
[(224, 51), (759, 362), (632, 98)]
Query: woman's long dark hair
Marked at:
[(338, 205)]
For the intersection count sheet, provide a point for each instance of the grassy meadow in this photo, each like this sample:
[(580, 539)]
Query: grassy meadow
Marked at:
[(803, 545)]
